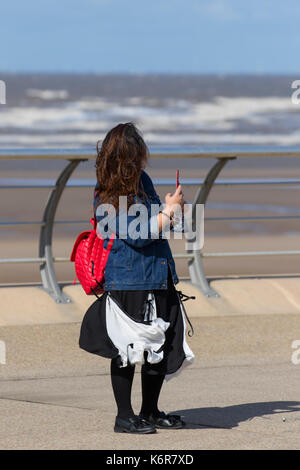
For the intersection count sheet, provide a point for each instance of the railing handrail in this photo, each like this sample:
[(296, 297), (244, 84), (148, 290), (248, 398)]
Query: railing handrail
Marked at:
[(46, 183), (155, 152), (194, 256)]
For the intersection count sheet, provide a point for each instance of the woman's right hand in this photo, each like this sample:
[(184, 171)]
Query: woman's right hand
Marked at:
[(176, 198)]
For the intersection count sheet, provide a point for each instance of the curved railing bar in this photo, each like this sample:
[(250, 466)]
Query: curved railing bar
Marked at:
[(47, 271), (195, 264), (194, 256)]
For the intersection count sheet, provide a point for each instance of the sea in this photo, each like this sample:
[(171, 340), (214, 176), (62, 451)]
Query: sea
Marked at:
[(75, 111)]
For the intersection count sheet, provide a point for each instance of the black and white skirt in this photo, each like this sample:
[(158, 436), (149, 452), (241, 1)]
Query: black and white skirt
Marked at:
[(139, 327)]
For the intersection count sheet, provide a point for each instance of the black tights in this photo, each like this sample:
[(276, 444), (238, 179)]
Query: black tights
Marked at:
[(122, 378)]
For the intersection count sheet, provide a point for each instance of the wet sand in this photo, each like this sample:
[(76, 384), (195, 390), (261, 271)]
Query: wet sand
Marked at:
[(220, 236)]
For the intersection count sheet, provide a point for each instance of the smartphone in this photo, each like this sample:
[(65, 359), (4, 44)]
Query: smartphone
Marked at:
[(177, 224)]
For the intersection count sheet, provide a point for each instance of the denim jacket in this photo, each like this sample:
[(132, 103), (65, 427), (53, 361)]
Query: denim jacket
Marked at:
[(137, 263)]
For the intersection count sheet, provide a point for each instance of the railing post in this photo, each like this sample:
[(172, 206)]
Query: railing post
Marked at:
[(195, 264), (45, 245)]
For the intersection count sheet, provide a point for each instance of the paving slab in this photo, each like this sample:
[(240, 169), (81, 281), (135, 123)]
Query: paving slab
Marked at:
[(242, 392)]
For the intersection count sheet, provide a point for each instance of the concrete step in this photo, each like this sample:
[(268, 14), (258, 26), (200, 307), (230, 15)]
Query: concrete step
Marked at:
[(258, 296)]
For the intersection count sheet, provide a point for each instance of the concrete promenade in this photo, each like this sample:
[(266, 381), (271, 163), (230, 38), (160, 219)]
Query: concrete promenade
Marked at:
[(242, 392)]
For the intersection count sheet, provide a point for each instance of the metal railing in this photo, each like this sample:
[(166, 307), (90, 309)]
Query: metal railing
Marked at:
[(194, 256)]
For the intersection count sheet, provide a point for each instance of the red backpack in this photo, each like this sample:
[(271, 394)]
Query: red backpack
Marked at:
[(90, 259)]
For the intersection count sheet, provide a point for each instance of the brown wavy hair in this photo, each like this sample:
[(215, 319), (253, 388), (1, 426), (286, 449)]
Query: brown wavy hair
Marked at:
[(119, 164)]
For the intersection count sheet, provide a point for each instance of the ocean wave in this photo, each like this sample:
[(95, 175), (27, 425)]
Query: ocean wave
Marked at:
[(226, 138), (224, 120), (47, 95), (81, 139)]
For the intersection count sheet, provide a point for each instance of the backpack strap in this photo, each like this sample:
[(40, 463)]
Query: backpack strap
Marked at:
[(181, 296), (93, 221)]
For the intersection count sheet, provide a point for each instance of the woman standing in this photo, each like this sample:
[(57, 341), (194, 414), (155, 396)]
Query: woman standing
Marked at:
[(140, 317)]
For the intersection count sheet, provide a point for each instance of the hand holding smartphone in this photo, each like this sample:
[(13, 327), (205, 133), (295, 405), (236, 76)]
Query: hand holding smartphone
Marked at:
[(177, 181), (177, 225)]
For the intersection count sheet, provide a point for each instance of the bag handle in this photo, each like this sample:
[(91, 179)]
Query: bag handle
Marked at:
[(93, 221)]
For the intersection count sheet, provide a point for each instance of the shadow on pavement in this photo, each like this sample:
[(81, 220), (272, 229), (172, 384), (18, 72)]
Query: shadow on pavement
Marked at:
[(230, 416)]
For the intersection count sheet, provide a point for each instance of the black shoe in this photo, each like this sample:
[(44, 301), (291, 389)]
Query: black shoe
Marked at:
[(164, 421), (135, 425)]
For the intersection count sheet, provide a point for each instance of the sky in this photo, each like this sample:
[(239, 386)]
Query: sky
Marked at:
[(150, 36)]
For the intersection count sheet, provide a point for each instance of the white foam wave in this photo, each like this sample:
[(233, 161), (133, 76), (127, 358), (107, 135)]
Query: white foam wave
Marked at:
[(220, 114), (36, 118), (47, 95), (226, 139), (69, 140), (170, 121)]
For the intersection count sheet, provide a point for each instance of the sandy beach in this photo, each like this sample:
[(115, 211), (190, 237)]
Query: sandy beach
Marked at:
[(28, 204)]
